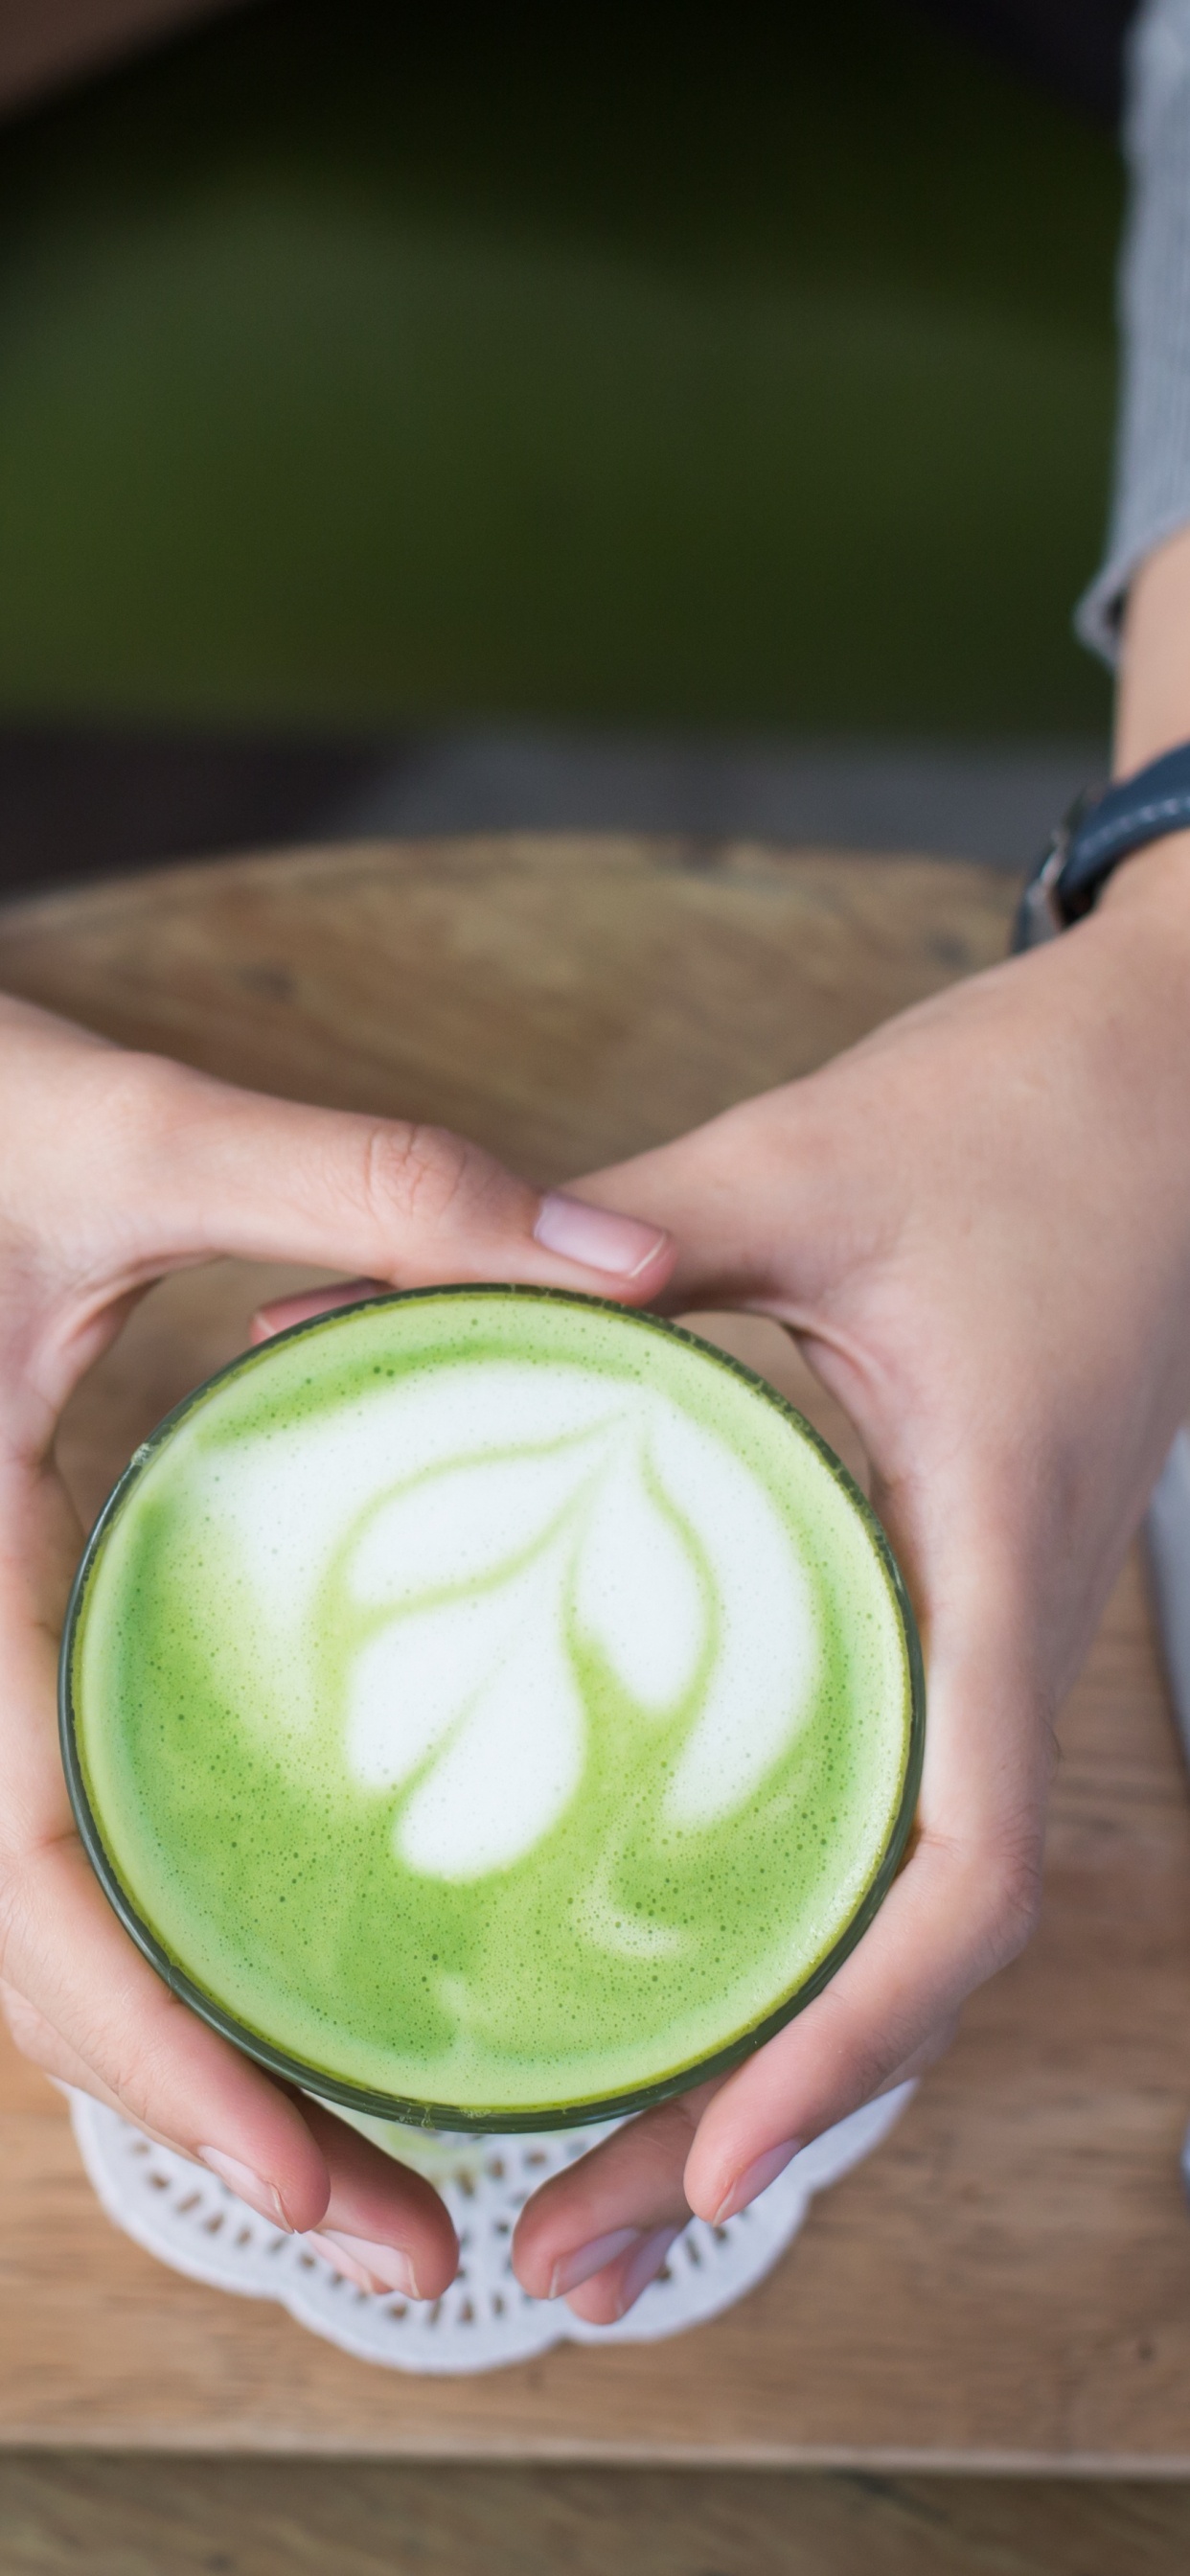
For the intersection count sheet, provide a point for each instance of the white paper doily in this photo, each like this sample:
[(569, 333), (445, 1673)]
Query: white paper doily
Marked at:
[(190, 2220)]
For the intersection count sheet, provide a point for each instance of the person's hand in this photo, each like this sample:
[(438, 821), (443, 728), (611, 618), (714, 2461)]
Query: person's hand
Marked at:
[(978, 1225), (115, 1168)]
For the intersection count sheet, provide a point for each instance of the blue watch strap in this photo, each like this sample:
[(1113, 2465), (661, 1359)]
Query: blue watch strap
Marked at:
[(1098, 832)]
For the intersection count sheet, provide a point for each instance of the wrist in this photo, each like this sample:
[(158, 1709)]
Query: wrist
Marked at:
[(1154, 881)]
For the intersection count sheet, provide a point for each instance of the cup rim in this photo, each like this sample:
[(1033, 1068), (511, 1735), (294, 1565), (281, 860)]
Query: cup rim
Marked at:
[(495, 2119)]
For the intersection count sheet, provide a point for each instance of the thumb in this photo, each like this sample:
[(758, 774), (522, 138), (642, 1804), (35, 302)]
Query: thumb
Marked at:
[(722, 1191), (208, 1169)]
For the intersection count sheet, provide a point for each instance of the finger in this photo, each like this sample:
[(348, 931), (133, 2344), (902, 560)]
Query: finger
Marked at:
[(886, 2014), (65, 1952), (282, 1312), (962, 1906), (925, 2055), (95, 2012), (599, 2232), (228, 1171), (724, 1193), (45, 2048), (192, 1169), (593, 2233), (383, 2227), (117, 2031)]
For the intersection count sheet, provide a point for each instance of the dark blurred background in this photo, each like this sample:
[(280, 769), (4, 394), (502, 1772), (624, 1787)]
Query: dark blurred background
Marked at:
[(425, 415)]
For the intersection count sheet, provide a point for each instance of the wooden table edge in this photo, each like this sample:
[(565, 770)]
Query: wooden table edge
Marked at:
[(761, 2458)]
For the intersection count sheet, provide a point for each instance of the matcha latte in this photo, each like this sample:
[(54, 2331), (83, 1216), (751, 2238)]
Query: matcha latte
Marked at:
[(491, 1707)]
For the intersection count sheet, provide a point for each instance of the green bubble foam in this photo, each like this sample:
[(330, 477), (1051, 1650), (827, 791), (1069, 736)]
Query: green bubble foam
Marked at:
[(624, 1945)]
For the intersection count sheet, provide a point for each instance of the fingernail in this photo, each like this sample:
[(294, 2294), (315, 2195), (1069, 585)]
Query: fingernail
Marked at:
[(284, 1311), (594, 1237), (261, 2196), (370, 2267), (344, 2264), (571, 2270), (646, 2265), (756, 2179), (389, 2268)]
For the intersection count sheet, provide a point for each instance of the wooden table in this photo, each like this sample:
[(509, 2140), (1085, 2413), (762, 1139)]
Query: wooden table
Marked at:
[(1008, 2282)]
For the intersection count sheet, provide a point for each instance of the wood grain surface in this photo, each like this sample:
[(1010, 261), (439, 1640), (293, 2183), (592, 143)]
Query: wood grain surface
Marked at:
[(1008, 2282), (111, 2515)]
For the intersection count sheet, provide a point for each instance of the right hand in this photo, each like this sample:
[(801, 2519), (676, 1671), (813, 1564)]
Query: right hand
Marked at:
[(114, 1169), (977, 1224)]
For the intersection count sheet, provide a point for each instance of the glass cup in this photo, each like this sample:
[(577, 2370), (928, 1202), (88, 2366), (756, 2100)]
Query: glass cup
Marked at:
[(428, 2133)]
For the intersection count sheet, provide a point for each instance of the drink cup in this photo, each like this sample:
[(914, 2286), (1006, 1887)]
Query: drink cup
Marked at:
[(491, 1709)]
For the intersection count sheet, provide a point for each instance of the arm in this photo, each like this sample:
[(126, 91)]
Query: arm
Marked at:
[(978, 1225)]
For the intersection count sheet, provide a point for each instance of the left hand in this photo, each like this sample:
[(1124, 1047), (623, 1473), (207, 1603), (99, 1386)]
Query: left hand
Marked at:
[(114, 1169)]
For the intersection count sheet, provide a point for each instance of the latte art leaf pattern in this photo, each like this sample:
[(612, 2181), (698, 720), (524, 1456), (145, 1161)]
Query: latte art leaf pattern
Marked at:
[(498, 1591), (495, 1702)]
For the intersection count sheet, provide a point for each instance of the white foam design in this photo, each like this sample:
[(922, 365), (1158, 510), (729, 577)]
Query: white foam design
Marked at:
[(292, 1499), (412, 1681), (761, 1685), (639, 1596), (511, 1770), (460, 1525), (564, 1502)]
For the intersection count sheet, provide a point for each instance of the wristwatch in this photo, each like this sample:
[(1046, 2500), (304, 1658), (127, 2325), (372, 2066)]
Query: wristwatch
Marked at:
[(1103, 826)]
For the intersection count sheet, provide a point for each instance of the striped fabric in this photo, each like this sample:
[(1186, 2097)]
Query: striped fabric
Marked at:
[(1152, 484)]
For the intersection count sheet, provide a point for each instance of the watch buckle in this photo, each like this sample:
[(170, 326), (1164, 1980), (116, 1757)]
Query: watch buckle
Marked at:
[(1040, 915)]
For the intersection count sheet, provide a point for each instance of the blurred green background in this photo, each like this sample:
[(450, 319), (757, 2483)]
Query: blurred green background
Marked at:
[(374, 365)]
